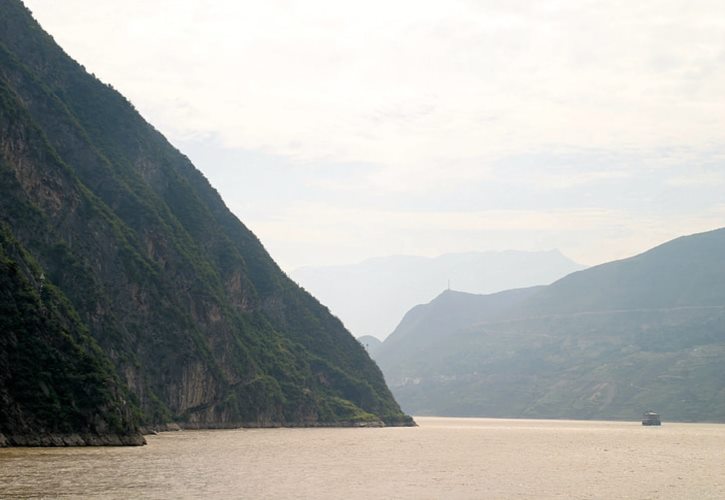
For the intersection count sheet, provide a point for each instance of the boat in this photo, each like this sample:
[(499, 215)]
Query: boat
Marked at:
[(651, 418)]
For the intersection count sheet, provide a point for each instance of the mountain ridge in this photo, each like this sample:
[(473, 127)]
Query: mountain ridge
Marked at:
[(370, 297), (607, 342), (198, 321)]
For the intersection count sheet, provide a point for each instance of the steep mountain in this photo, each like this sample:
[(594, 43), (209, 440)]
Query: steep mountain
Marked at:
[(372, 296), (198, 322), (606, 342)]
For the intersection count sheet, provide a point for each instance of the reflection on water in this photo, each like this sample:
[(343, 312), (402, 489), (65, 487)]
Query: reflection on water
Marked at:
[(443, 458)]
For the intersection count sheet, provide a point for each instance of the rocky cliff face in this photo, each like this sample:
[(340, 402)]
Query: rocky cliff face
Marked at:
[(56, 386), (198, 321)]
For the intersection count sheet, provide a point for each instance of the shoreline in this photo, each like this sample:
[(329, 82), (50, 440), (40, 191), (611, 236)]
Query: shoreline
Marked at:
[(181, 426), (55, 440)]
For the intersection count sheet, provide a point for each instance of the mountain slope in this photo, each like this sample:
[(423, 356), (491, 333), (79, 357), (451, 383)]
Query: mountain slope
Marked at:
[(453, 310), (687, 271), (425, 329), (372, 296), (56, 386), (606, 342), (196, 318)]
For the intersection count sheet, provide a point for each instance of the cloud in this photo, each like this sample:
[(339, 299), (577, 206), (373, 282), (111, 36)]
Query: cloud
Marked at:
[(698, 179), (412, 85), (342, 130)]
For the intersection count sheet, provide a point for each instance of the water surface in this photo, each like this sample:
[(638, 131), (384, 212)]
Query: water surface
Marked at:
[(443, 458)]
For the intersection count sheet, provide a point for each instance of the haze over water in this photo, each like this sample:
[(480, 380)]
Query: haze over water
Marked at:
[(443, 458)]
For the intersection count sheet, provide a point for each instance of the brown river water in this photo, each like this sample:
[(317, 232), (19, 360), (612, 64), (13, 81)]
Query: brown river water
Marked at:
[(442, 458)]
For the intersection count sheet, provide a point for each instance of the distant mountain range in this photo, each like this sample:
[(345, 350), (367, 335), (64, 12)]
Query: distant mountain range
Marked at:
[(607, 342), (371, 297)]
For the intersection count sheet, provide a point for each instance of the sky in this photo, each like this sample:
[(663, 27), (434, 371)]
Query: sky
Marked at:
[(339, 131)]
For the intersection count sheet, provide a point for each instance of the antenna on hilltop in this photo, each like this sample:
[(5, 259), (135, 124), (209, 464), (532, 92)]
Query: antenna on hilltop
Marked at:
[(449, 284)]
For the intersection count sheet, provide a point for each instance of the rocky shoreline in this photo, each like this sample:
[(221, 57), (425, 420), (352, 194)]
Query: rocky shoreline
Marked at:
[(171, 427), (61, 440), (64, 440), (77, 439)]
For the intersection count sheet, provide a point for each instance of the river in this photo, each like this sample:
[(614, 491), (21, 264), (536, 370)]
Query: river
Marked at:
[(442, 458)]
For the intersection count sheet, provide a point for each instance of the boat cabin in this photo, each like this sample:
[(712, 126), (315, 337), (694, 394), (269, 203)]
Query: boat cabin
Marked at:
[(651, 418)]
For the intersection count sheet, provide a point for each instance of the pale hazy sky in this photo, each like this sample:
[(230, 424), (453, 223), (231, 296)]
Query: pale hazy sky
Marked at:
[(341, 130)]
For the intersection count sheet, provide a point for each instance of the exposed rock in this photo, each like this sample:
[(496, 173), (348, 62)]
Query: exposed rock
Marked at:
[(180, 311), (60, 440)]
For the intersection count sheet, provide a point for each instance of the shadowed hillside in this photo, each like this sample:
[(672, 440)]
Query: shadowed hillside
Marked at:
[(198, 322), (56, 386)]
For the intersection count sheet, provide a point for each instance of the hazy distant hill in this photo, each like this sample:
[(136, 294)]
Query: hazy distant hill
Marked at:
[(370, 343), (198, 323), (687, 271), (452, 310), (371, 297), (606, 342)]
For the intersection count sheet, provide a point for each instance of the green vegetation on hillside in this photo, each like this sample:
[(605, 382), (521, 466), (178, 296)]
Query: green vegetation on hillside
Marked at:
[(54, 380), (196, 319)]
